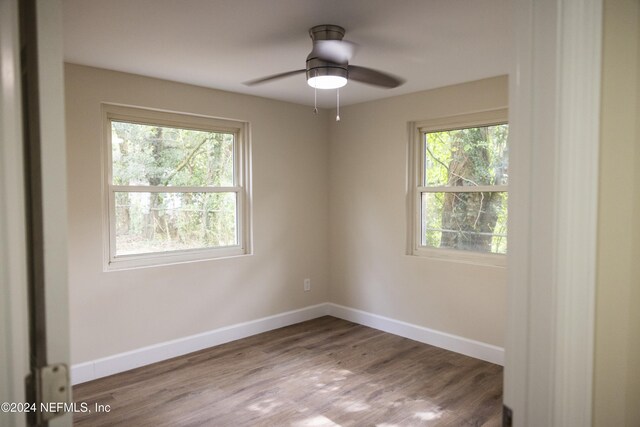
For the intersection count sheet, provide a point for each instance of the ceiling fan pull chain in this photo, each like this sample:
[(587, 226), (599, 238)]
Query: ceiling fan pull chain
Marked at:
[(338, 105), (315, 100)]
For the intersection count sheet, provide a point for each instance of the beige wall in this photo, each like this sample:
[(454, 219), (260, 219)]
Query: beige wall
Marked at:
[(357, 172), (369, 266), (633, 332), (113, 312), (617, 353)]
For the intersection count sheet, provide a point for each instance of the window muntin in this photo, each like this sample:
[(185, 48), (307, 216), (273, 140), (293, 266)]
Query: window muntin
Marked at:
[(176, 185), (461, 186)]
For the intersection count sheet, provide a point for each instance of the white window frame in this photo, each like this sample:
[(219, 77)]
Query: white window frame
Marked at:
[(416, 188), (242, 181)]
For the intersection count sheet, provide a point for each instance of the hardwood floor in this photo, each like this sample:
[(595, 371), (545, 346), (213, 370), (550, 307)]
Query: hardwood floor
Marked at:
[(324, 372)]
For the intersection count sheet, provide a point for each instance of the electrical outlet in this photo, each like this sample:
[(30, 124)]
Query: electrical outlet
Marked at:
[(307, 285)]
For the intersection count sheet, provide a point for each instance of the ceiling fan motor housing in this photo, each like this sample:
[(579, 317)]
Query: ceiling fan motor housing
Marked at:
[(317, 67), (326, 32), (328, 65)]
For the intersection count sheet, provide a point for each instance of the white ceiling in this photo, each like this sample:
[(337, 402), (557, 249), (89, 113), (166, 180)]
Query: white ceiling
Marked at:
[(222, 43)]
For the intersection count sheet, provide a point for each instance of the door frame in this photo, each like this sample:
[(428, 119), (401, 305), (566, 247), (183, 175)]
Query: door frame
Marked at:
[(15, 226), (14, 342), (554, 118), (554, 125)]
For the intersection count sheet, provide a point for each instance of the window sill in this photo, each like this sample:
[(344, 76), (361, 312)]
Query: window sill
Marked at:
[(464, 257), (129, 262)]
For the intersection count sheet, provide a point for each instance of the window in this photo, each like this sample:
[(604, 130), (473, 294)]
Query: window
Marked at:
[(176, 187), (459, 195)]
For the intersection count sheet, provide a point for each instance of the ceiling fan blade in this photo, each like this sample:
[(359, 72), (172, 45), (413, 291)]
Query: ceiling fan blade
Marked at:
[(274, 77), (373, 77), (336, 51)]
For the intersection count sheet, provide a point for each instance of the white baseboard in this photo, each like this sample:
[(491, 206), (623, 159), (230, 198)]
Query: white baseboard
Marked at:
[(87, 371), (468, 347), (121, 362)]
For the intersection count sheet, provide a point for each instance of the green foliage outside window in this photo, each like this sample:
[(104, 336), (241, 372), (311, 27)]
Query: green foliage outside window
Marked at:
[(468, 220), (159, 156)]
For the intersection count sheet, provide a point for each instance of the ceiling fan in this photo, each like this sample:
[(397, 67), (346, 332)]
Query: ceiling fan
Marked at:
[(328, 63)]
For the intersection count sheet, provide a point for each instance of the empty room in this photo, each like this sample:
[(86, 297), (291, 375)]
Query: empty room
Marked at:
[(320, 213)]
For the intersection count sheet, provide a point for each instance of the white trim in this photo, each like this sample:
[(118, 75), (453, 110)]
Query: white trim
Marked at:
[(154, 259), (554, 93), (14, 322), (241, 187), (461, 256), (54, 185), (91, 370), (464, 189), (576, 209), (455, 343), (151, 116), (519, 224), (121, 362), (492, 117), (172, 189), (414, 180), (416, 188)]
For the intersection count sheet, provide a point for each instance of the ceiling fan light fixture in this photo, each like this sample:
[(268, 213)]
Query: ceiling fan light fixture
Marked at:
[(325, 77), (328, 64), (327, 82)]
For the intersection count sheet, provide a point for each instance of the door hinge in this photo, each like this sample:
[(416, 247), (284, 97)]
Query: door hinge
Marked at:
[(49, 389)]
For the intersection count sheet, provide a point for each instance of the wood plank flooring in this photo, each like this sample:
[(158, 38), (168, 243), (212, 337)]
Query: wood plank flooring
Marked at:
[(324, 372)]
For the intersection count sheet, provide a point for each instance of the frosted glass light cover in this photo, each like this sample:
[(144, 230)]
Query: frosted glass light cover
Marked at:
[(327, 82)]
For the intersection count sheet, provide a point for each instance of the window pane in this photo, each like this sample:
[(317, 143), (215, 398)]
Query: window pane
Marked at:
[(467, 221), (159, 155), (156, 222), (474, 156)]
